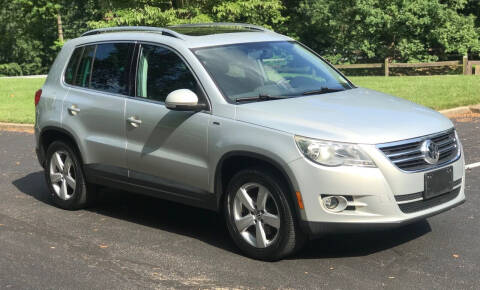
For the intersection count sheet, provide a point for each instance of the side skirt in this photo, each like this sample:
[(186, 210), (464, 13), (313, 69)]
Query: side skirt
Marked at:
[(149, 185)]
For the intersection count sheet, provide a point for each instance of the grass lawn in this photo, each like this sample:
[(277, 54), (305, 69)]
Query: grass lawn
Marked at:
[(17, 99), (437, 92)]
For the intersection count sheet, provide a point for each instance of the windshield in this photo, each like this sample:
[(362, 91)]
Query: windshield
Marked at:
[(274, 69)]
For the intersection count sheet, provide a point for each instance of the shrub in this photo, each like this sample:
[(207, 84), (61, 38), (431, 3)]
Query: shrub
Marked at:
[(10, 69)]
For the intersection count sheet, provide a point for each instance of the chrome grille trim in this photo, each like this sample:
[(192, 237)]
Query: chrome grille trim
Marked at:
[(406, 154), (429, 203), (446, 142), (414, 151), (413, 197), (410, 203)]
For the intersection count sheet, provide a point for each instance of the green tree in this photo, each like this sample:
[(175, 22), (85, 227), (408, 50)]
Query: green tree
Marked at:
[(343, 31), (150, 16), (406, 30), (472, 7), (18, 45), (267, 12)]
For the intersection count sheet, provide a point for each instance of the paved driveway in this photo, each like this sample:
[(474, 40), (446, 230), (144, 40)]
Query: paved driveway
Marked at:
[(130, 241)]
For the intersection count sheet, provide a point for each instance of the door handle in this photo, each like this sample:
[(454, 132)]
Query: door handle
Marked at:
[(74, 110), (134, 121)]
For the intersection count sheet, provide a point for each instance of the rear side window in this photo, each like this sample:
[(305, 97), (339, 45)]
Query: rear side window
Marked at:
[(73, 65), (111, 67), (103, 67), (82, 78)]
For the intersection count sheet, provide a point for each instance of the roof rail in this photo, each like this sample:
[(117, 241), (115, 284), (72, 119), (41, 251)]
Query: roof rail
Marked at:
[(222, 24), (163, 31)]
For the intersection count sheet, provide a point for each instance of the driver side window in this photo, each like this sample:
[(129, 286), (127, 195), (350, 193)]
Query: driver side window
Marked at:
[(160, 71)]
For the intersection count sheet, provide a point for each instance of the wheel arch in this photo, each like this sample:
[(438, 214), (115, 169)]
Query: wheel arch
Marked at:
[(238, 160), (50, 134)]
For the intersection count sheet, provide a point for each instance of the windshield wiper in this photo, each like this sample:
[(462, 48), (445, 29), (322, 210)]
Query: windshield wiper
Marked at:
[(323, 90), (260, 97)]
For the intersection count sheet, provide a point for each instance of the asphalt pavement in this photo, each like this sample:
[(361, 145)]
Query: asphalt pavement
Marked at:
[(129, 241)]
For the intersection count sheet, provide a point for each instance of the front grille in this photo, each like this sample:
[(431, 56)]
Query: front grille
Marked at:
[(407, 156), (428, 203)]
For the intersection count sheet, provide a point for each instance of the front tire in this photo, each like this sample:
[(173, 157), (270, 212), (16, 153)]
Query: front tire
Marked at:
[(259, 217), (65, 178)]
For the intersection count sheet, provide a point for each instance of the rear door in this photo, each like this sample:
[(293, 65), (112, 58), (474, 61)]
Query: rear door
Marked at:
[(94, 108), (166, 149)]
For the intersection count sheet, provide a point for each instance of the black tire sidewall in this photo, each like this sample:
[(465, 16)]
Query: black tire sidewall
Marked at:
[(278, 191), (79, 198)]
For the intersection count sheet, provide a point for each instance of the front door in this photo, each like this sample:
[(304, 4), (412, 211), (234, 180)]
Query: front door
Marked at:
[(166, 149)]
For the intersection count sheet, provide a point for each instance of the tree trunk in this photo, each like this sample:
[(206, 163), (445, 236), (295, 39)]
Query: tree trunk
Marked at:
[(179, 4), (60, 28)]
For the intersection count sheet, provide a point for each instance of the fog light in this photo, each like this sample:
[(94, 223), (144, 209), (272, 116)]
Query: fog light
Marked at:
[(330, 202), (335, 203)]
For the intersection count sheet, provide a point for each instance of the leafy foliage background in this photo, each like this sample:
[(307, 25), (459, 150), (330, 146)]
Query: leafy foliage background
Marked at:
[(346, 31)]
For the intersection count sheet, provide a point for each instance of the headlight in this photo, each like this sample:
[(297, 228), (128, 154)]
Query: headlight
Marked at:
[(333, 153)]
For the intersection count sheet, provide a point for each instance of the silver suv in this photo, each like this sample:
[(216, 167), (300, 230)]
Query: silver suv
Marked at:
[(241, 120)]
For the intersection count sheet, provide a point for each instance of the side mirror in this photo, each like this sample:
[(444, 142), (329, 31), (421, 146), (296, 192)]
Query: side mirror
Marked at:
[(183, 100)]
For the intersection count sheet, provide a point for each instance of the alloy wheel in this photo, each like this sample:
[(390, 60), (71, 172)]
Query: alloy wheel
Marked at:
[(62, 175), (256, 215)]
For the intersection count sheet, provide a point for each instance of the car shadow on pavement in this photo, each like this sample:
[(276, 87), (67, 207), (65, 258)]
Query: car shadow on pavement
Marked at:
[(196, 223), (209, 227), (362, 244), (34, 185)]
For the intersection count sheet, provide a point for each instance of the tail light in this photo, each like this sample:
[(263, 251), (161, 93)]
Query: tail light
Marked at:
[(38, 94)]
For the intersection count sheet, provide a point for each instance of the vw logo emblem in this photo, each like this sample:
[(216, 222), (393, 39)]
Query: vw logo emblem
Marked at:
[(430, 151)]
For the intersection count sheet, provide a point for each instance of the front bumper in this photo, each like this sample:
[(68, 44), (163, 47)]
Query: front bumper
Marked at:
[(375, 193), (40, 156), (322, 228)]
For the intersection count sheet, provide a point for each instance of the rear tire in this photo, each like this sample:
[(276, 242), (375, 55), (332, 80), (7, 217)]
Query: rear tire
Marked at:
[(259, 216), (65, 178)]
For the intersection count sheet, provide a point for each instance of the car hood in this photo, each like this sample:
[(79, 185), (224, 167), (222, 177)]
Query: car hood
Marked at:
[(356, 116)]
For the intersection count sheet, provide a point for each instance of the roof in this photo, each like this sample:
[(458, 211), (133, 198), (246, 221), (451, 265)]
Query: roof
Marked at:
[(191, 35), (201, 29)]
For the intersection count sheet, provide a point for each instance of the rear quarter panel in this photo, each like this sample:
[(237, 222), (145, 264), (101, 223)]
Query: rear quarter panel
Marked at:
[(48, 112)]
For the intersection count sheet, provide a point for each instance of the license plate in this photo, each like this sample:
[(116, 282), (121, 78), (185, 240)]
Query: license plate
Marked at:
[(438, 182)]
